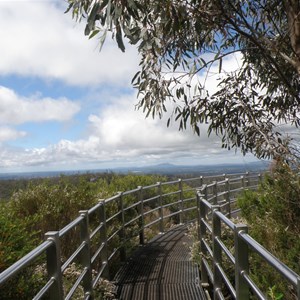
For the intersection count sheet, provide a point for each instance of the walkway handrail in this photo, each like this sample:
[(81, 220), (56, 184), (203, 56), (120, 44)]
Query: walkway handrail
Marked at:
[(109, 230), (213, 220), (105, 230)]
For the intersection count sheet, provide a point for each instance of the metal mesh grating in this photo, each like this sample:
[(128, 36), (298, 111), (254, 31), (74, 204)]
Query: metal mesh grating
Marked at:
[(161, 270)]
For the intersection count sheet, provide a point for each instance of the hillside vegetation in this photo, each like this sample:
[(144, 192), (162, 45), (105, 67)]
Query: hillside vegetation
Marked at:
[(273, 216), (46, 205)]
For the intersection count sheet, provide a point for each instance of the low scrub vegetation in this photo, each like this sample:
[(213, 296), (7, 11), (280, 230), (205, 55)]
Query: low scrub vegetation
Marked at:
[(273, 216), (47, 205)]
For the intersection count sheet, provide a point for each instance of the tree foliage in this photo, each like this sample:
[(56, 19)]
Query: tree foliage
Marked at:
[(180, 39)]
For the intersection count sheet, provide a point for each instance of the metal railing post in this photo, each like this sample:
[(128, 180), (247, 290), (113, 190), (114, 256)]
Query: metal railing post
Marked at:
[(217, 251), (103, 240), (198, 214), (53, 257), (205, 193), (215, 193), (87, 282), (161, 213), (248, 179), (259, 178), (203, 250), (122, 229), (180, 201), (243, 182), (227, 186), (141, 219), (201, 181), (241, 263)]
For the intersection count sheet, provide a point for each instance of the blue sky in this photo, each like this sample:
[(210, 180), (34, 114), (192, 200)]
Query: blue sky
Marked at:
[(64, 105)]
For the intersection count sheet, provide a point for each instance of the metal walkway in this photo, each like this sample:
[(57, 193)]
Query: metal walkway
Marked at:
[(161, 270)]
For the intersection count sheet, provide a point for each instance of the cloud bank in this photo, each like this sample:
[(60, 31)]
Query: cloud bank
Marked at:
[(40, 41)]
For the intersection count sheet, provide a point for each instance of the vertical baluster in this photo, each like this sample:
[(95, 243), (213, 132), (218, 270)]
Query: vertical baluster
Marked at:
[(259, 179), (141, 213), (54, 266), (217, 251), (215, 193), (243, 182), (181, 221), (298, 287), (203, 250), (86, 254), (205, 193), (227, 186), (161, 214), (241, 263), (201, 181), (103, 240), (248, 179), (198, 213), (122, 229)]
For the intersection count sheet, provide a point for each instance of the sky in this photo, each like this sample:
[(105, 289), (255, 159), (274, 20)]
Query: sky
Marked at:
[(66, 106)]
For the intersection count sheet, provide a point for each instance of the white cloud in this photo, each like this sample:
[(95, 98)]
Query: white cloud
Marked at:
[(8, 134), (120, 135), (40, 40), (15, 109)]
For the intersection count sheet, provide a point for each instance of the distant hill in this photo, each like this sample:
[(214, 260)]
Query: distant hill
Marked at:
[(170, 169), (163, 169)]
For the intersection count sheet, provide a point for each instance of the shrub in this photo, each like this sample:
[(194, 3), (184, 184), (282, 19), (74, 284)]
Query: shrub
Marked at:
[(16, 242), (52, 206), (273, 216)]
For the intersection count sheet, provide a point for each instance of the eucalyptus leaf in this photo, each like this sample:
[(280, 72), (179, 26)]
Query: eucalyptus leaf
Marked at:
[(180, 43)]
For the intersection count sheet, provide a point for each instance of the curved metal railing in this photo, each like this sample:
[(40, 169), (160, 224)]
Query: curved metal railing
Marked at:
[(110, 230), (226, 248), (107, 232)]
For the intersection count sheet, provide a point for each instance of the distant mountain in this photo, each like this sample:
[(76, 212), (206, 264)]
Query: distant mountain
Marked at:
[(163, 169), (170, 169)]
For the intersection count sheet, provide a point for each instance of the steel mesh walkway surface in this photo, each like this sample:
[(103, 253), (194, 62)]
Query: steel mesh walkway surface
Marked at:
[(161, 270)]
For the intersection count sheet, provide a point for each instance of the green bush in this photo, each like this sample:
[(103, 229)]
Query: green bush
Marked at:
[(15, 242), (53, 206), (48, 205), (273, 216)]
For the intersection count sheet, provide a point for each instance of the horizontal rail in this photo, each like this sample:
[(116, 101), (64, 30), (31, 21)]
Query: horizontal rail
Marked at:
[(72, 257), (226, 280), (285, 271), (44, 289), (70, 226), (76, 285), (212, 222), (145, 207), (25, 261)]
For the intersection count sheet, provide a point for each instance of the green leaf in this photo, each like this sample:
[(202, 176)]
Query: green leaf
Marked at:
[(102, 39), (135, 76), (91, 19), (87, 30), (69, 7), (95, 32), (120, 39), (168, 122)]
